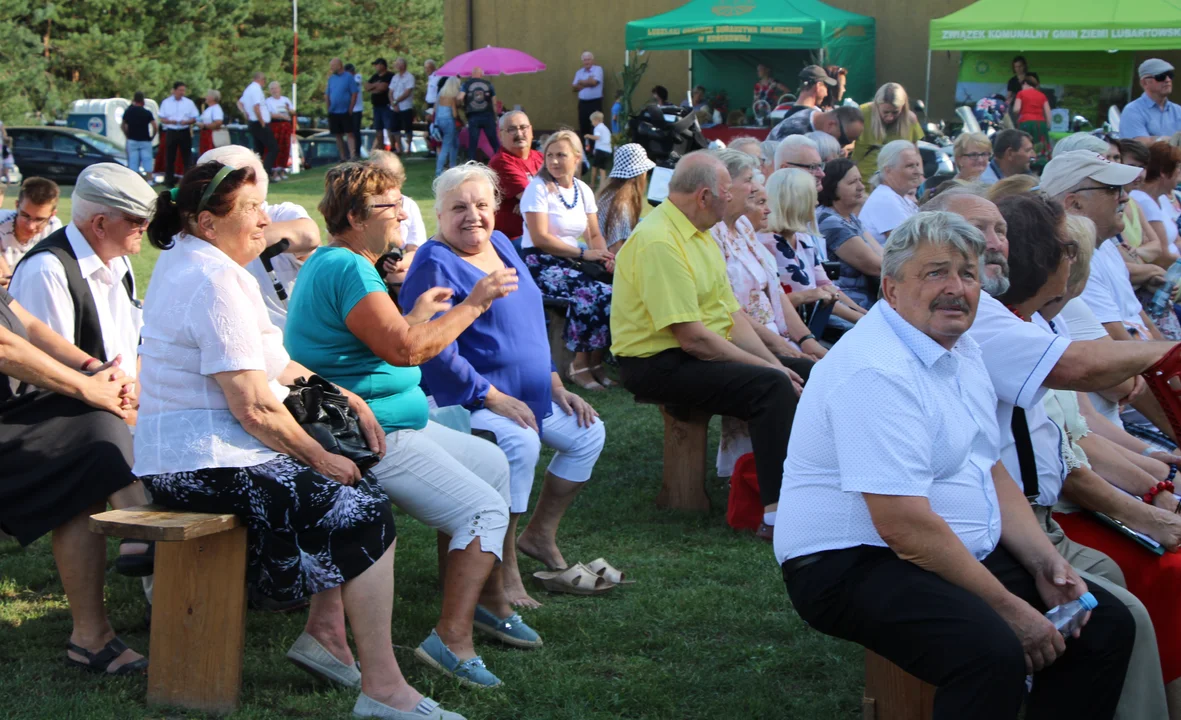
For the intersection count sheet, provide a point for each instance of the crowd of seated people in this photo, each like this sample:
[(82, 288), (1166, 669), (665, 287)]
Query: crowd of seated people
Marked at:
[(943, 436)]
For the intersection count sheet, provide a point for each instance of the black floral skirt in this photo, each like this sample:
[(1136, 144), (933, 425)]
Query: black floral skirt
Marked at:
[(588, 315), (307, 533)]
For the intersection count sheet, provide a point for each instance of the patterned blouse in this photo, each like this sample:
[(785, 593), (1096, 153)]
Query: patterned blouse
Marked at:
[(799, 267), (753, 274)]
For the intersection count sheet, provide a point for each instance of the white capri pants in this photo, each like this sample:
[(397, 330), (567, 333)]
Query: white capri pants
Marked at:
[(578, 449), (450, 481)]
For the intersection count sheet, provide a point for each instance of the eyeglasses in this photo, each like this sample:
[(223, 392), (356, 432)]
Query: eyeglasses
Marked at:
[(1070, 250), (378, 206), (518, 128), (977, 156), (1109, 189), (1167, 75), (817, 168)]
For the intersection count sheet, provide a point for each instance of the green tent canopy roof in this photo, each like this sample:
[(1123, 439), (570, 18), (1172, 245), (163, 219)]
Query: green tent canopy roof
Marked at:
[(1028, 25), (749, 25)]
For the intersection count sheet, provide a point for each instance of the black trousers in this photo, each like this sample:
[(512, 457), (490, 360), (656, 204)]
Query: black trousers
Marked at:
[(264, 144), (585, 108), (949, 637), (177, 141), (763, 397)]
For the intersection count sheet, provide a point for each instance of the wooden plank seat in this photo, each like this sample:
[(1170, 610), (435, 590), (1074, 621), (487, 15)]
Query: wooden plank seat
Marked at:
[(199, 603), (686, 432), (891, 693)]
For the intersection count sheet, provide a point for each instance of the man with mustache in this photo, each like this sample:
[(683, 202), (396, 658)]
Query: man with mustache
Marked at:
[(902, 532), (1026, 358), (515, 165)]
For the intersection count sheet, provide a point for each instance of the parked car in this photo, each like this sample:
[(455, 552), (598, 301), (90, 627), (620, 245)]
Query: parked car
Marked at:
[(61, 153)]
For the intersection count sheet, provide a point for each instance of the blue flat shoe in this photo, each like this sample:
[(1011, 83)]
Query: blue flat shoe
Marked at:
[(511, 630), (434, 653)]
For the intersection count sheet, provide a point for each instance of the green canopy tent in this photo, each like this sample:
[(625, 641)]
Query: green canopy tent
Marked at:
[(703, 26), (1083, 25)]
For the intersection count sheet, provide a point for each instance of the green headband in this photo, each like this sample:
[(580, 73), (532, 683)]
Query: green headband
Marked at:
[(221, 175)]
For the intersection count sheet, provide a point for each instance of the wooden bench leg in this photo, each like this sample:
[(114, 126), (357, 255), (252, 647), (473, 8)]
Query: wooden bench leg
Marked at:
[(684, 463), (199, 622), (891, 693), (559, 353)]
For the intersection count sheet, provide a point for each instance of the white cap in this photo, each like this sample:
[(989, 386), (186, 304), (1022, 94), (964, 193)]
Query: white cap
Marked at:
[(1069, 169)]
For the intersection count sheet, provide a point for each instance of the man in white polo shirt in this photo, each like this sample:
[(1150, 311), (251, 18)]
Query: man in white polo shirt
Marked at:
[(900, 530), (177, 115), (588, 84)]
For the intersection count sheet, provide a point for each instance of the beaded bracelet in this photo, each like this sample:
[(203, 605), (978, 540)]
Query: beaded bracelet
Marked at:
[(1164, 485)]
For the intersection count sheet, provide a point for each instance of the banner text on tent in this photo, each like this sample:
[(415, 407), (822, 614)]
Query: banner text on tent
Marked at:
[(728, 29), (1060, 34)]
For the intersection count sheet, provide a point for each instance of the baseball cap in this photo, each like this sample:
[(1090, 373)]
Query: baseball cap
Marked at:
[(114, 186), (1069, 169), (1154, 66), (380, 61), (814, 74)]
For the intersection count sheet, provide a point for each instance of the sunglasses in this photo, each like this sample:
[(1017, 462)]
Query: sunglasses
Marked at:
[(1109, 189), (818, 167), (1161, 77)]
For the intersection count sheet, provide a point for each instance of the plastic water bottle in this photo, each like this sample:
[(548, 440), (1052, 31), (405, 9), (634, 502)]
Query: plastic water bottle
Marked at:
[(1162, 299), (1068, 617)]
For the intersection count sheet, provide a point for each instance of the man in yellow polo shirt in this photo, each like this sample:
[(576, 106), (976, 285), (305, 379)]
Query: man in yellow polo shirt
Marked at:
[(677, 329)]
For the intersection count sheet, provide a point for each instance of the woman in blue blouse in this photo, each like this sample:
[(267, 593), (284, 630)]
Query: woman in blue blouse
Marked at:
[(500, 369), (342, 324)]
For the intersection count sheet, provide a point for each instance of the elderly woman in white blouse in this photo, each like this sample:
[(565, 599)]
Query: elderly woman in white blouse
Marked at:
[(900, 172), (755, 281), (214, 436), (559, 209)]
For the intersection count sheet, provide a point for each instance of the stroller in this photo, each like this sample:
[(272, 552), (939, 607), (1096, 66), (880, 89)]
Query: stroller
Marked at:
[(666, 132)]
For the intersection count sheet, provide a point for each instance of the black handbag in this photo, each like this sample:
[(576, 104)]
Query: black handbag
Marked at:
[(324, 413), (594, 270)]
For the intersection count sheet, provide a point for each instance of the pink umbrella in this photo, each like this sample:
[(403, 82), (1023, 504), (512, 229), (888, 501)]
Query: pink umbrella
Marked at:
[(493, 61)]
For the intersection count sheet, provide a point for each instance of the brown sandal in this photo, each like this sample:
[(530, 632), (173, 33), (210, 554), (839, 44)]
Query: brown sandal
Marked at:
[(574, 580), (605, 381)]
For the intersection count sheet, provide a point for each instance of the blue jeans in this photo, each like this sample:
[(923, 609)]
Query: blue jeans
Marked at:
[(449, 152), (139, 155), (485, 121)]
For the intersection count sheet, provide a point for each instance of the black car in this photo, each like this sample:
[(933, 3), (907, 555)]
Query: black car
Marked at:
[(61, 153)]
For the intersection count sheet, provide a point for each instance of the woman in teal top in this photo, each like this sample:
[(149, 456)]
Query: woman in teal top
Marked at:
[(342, 324)]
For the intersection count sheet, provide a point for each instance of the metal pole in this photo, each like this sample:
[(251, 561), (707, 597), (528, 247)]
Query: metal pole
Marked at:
[(295, 85), (689, 90), (927, 96)]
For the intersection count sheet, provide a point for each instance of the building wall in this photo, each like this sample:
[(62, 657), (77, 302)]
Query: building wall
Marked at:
[(557, 31)]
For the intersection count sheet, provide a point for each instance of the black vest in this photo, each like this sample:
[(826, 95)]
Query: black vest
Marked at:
[(88, 333)]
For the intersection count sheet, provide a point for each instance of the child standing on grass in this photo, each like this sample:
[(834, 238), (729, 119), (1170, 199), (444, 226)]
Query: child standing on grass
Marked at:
[(601, 160)]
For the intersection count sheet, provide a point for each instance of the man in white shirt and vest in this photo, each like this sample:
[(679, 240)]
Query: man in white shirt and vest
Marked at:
[(177, 115), (253, 102), (900, 529)]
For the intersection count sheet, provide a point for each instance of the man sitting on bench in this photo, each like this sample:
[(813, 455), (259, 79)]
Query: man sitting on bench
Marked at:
[(905, 534), (679, 333)]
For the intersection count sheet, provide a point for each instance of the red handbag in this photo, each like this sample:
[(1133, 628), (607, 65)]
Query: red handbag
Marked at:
[(744, 511), (1164, 380)]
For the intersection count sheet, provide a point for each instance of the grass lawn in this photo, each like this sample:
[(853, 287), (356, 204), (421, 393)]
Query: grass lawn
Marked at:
[(706, 632)]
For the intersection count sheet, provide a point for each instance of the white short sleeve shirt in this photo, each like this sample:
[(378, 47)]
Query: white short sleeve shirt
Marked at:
[(40, 287), (602, 137), (279, 106), (891, 412), (885, 210), (1081, 324), (173, 111), (566, 223), (1019, 356), (1109, 291), (1147, 205), (11, 248), (400, 84), (413, 228), (204, 316), (251, 96), (212, 114)]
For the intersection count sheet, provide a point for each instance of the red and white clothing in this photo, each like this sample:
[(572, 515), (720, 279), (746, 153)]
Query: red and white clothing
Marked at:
[(515, 174)]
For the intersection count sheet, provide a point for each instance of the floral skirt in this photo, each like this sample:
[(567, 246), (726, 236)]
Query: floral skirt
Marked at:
[(1040, 132), (307, 533), (588, 316)]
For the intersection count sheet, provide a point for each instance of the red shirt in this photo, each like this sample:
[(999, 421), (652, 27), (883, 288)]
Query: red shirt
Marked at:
[(515, 174), (1033, 103)]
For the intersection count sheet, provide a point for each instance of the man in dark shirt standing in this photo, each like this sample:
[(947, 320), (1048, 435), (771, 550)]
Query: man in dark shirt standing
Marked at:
[(139, 126), (478, 98), (378, 88)]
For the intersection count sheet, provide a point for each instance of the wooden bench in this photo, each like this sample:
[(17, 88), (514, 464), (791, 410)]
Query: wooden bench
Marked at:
[(686, 434), (199, 603), (891, 693), (555, 325)]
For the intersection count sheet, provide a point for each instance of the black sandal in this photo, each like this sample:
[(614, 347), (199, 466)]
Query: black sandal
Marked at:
[(100, 661), (136, 564)]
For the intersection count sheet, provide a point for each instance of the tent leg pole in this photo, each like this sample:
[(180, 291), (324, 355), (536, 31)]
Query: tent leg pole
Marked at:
[(927, 98), (689, 89)]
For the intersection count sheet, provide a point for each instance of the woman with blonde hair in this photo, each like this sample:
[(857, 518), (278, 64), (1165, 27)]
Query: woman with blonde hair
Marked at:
[(792, 196), (446, 115), (888, 118), (972, 153), (559, 209), (1012, 185)]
